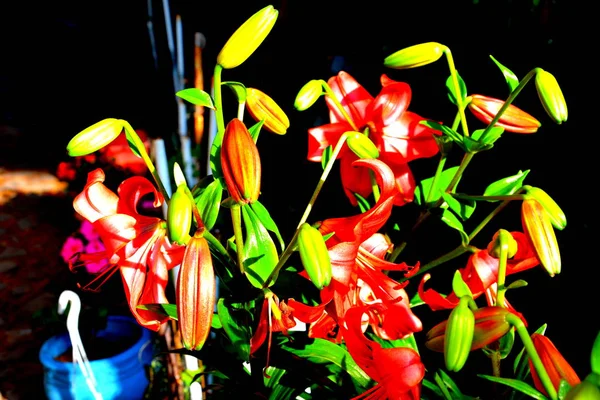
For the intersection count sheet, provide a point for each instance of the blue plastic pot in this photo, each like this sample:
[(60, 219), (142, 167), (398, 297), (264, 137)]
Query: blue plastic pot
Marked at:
[(122, 376)]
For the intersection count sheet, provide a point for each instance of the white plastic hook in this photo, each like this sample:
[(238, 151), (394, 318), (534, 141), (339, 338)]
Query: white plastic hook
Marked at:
[(79, 355)]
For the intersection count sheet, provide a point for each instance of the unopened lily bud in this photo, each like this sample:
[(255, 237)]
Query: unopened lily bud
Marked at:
[(537, 226), (196, 290), (556, 215), (554, 363), (240, 162), (415, 56), (361, 145), (314, 255), (585, 390), (95, 137), (503, 238), (246, 39), (179, 216), (262, 107), (551, 96), (459, 335), (308, 95), (513, 119)]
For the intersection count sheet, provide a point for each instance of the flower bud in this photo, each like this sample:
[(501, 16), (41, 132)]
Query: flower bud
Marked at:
[(459, 335), (240, 162), (246, 39), (513, 119), (263, 107), (314, 255), (555, 364), (415, 56), (551, 96), (503, 238), (179, 216), (362, 146), (308, 95), (196, 291), (556, 215), (585, 390), (95, 137), (539, 230)]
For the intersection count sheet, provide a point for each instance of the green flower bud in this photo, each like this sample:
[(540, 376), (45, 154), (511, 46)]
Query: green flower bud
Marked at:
[(551, 96), (556, 215), (415, 56), (179, 216), (95, 137), (585, 390), (503, 238), (308, 95), (459, 335), (314, 255), (361, 145)]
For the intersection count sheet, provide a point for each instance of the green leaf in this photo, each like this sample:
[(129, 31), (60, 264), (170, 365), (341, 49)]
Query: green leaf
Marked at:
[(506, 186), (446, 130), (236, 319), (461, 86), (237, 88), (563, 389), (254, 130), (408, 342), (166, 309), (433, 387), (267, 221), (519, 283), (517, 385), (197, 97), (462, 207), (490, 137), (363, 204), (208, 202), (260, 254), (450, 384), (459, 286), (521, 365), (452, 221), (133, 140), (215, 157), (422, 189), (510, 77), (326, 156), (473, 146), (322, 351), (416, 300), (595, 355)]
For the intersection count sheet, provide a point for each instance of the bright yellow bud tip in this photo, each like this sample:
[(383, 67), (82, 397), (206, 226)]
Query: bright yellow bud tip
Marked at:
[(246, 39), (263, 108), (94, 137), (415, 56), (308, 95), (551, 96), (362, 146)]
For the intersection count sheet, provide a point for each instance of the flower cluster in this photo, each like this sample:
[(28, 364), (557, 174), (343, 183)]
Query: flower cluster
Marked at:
[(332, 312)]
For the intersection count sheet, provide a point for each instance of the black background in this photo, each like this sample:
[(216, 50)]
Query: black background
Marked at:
[(66, 65)]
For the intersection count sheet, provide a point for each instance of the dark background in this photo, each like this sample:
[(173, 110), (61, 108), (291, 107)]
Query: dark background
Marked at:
[(66, 65)]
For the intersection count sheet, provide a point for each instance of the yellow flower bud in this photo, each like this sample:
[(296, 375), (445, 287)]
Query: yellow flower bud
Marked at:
[(362, 146), (551, 96), (537, 226), (314, 255), (415, 56), (246, 39), (179, 216), (262, 107), (556, 215), (308, 95), (95, 137)]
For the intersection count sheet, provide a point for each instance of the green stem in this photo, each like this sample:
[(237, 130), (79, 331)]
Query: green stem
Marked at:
[(236, 220), (290, 247), (217, 244), (218, 99), (487, 219), (502, 270), (533, 355), (459, 99), (440, 260), (334, 98), (472, 197)]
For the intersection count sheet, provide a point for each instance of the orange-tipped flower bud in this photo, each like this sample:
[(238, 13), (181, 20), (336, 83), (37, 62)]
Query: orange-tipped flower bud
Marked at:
[(555, 364), (490, 325), (362, 146), (537, 226), (314, 255), (556, 215), (308, 95), (513, 119), (246, 39), (95, 137), (262, 107), (179, 216), (196, 290), (415, 56), (240, 163), (459, 335), (551, 96)]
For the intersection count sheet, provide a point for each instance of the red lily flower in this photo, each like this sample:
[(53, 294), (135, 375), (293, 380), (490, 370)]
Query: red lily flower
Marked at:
[(481, 275), (395, 131), (135, 243), (397, 371), (557, 367), (357, 257)]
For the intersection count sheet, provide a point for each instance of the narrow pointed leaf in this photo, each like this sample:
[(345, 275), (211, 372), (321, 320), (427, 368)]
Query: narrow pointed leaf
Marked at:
[(166, 309), (463, 208), (263, 215), (510, 76), (453, 222), (517, 385), (423, 188), (197, 97), (506, 186), (451, 92)]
